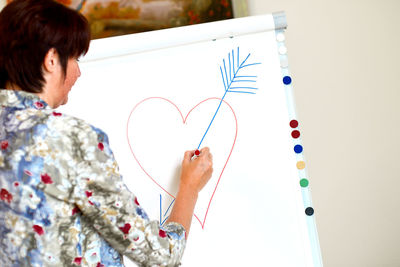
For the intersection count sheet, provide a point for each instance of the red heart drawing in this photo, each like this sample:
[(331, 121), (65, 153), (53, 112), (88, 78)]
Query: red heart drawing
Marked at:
[(184, 120)]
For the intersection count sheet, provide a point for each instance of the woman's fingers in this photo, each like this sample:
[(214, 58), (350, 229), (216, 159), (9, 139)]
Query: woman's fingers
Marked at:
[(204, 150), (197, 171), (188, 156)]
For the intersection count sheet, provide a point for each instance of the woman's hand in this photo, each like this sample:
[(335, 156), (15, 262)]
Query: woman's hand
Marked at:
[(194, 176), (196, 172)]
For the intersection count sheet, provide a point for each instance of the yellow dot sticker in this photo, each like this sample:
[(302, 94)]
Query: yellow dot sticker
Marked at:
[(301, 165)]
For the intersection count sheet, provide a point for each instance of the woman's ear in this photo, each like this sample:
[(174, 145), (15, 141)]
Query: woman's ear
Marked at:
[(51, 60)]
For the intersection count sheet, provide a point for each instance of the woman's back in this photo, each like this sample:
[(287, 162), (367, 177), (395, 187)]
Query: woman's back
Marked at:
[(63, 202)]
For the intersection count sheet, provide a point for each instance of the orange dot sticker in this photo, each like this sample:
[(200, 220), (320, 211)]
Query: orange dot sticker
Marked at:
[(301, 165)]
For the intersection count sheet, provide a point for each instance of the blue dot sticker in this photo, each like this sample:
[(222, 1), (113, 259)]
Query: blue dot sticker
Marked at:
[(287, 80), (298, 149)]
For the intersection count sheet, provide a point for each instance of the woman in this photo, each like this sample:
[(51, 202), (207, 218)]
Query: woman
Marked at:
[(62, 199)]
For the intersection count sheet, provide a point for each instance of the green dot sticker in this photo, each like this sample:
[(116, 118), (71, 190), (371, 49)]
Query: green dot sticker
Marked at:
[(304, 182)]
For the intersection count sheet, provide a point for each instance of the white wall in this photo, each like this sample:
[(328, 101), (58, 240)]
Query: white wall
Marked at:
[(344, 57)]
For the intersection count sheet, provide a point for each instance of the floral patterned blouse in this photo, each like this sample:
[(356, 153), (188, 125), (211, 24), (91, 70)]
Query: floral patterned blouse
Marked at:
[(62, 199)]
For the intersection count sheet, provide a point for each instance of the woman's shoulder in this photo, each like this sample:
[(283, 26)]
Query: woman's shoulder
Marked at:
[(69, 124)]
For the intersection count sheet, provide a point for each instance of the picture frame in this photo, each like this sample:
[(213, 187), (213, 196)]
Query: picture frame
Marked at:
[(109, 18)]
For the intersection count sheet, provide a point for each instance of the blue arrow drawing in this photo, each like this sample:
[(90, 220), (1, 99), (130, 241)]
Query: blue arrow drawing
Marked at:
[(233, 82), (165, 217)]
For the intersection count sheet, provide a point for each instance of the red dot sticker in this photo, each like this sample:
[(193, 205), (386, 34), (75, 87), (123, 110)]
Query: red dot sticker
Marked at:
[(294, 123), (295, 134)]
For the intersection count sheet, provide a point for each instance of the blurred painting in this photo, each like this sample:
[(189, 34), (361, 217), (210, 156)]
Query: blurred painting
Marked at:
[(110, 17)]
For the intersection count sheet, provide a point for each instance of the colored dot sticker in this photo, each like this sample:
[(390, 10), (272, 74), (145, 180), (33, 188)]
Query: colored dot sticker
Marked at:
[(298, 149), (280, 37), (282, 50), (294, 123), (309, 211), (300, 165), (287, 80), (295, 134), (304, 182), (284, 63)]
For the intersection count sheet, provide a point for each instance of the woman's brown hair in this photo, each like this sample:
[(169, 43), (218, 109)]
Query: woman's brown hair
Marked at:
[(28, 30)]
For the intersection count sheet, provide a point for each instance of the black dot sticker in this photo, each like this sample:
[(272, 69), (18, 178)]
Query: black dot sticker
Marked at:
[(309, 211)]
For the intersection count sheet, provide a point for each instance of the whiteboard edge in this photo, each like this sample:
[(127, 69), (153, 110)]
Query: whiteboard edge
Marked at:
[(139, 42), (280, 20), (312, 229)]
